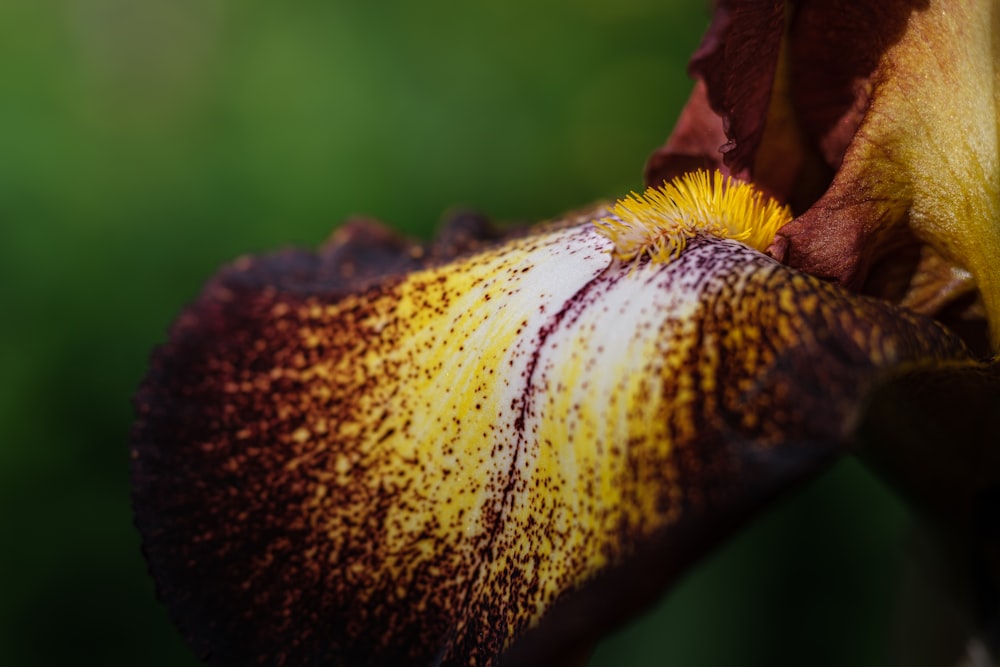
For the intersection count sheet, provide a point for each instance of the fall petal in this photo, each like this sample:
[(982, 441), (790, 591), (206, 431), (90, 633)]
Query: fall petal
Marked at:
[(923, 162), (932, 433), (453, 462)]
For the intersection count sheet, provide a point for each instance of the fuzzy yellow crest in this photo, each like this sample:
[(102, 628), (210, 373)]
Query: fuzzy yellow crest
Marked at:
[(659, 222)]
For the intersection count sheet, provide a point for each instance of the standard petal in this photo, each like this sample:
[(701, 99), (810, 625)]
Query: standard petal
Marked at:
[(737, 60), (923, 164), (740, 117), (831, 85), (723, 122), (454, 462)]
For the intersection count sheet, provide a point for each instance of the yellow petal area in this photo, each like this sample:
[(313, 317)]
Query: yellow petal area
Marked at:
[(925, 156), (945, 98), (419, 473)]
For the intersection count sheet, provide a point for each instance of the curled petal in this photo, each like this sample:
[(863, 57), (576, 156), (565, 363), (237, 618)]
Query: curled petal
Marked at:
[(741, 117), (737, 60), (724, 120), (877, 122), (830, 85), (457, 462), (923, 163)]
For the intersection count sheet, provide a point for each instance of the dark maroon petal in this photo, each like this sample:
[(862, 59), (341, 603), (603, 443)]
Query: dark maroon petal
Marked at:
[(738, 60), (740, 118), (832, 239), (910, 213), (724, 120)]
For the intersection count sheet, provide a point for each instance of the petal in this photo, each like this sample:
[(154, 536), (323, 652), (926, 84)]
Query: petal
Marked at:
[(465, 459), (923, 163), (737, 60), (740, 117), (725, 117), (831, 85)]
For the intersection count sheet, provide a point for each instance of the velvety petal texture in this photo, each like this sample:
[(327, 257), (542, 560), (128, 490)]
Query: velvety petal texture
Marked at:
[(879, 128), (737, 61), (492, 448), (457, 463), (924, 159)]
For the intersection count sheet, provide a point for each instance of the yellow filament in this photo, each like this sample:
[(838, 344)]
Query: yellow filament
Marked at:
[(659, 222)]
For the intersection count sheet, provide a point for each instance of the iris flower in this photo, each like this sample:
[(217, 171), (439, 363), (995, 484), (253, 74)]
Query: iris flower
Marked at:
[(491, 448)]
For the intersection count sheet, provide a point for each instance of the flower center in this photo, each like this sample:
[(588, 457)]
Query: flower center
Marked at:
[(659, 222)]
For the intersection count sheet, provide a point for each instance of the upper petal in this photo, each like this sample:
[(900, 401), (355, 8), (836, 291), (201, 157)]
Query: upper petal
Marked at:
[(830, 82), (923, 162), (735, 66), (737, 60)]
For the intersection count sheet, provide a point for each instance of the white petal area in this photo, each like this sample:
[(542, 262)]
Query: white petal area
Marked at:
[(592, 415)]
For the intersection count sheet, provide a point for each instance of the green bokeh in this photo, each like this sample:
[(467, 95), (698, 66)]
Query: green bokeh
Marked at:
[(144, 143)]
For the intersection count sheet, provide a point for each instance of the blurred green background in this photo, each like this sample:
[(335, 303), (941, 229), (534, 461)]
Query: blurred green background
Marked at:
[(144, 143)]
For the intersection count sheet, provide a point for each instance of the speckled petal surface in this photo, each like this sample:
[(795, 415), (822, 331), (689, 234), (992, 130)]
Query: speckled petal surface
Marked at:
[(430, 469)]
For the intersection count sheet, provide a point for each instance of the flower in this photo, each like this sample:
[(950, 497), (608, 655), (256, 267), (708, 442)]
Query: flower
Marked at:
[(494, 446)]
